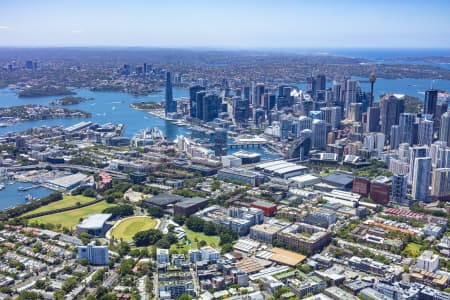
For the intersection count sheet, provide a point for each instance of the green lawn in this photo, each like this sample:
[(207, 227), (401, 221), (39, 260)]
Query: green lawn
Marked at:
[(412, 249), (71, 218), (128, 227), (65, 202), (212, 240)]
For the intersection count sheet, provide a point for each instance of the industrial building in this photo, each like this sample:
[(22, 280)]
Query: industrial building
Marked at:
[(163, 200), (248, 157), (339, 180), (94, 225), (189, 206), (282, 169), (250, 177), (69, 182)]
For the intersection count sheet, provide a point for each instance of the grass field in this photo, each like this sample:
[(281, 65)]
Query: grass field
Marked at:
[(65, 202), (128, 227), (71, 218), (413, 249), (212, 240)]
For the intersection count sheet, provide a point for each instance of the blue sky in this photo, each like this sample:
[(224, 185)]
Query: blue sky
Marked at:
[(230, 24)]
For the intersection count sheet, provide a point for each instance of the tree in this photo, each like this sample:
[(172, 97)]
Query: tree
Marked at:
[(156, 211), (84, 261), (179, 219), (184, 297), (146, 238), (195, 223), (209, 228), (126, 266), (90, 193)]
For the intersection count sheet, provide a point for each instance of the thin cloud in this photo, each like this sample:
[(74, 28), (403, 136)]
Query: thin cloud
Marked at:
[(77, 31), (3, 27)]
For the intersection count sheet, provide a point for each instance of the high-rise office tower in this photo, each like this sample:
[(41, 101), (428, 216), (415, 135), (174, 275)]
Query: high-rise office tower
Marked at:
[(241, 110), (269, 101), (394, 141), (421, 178), (445, 128), (286, 128), (336, 90), (399, 188), (438, 154), (220, 142), (197, 111), (404, 152), (259, 116), (171, 105), (441, 108), (258, 94), (440, 184), (193, 90), (391, 108), (373, 119), (406, 124), (321, 82), (332, 115), (211, 105), (304, 123), (352, 90), (311, 84), (414, 153), (355, 113), (429, 105), (425, 134), (246, 93), (319, 134)]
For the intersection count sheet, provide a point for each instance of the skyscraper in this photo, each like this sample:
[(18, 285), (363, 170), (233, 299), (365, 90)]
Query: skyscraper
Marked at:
[(399, 188), (445, 128), (332, 115), (241, 108), (171, 105), (429, 105), (421, 178), (373, 119), (220, 142), (414, 153), (352, 90), (394, 141), (258, 93), (198, 105), (321, 82), (406, 124), (193, 90), (210, 106), (440, 184), (319, 134), (425, 132), (391, 108)]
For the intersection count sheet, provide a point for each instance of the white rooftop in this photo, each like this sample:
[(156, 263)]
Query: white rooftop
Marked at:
[(94, 222)]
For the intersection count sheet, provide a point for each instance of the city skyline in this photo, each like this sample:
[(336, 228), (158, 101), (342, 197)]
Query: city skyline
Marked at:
[(231, 24)]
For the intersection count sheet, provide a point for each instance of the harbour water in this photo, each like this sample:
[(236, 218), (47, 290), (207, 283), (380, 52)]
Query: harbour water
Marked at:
[(10, 196)]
